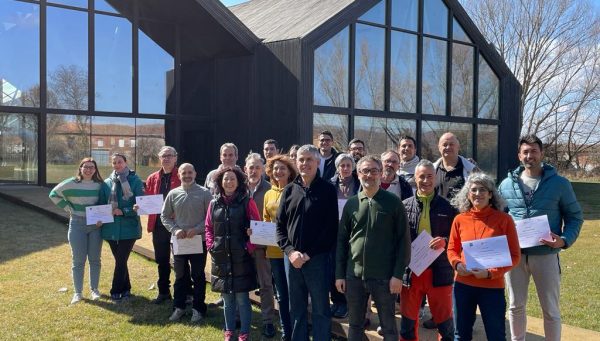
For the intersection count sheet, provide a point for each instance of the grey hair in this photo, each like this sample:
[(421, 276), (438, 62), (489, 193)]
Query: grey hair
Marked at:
[(229, 145), (340, 158), (254, 156), (309, 148), (461, 200), (165, 149), (185, 165), (370, 157), (425, 163)]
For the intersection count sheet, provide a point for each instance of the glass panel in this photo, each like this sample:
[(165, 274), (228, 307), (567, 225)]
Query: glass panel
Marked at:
[(67, 60), (488, 96), (487, 148), (403, 72), (113, 64), (458, 33), (376, 14), (369, 67), (405, 14), (331, 71), (155, 76), (74, 3), (433, 130), (111, 135), (462, 80), (435, 18), (336, 124), (434, 76), (67, 142), (102, 5), (18, 148), (150, 137), (380, 133), (20, 61)]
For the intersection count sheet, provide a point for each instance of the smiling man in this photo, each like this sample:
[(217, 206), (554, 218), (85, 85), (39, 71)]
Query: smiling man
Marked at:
[(407, 148), (228, 155), (451, 169)]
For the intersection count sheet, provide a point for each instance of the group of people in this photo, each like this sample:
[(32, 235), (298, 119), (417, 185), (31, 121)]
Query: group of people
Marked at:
[(335, 261)]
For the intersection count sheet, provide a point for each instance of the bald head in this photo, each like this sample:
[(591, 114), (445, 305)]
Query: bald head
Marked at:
[(449, 147), (187, 174)]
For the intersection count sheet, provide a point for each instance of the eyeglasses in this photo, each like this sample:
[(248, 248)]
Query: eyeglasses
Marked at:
[(372, 171), (88, 167), (167, 156), (356, 149), (477, 190)]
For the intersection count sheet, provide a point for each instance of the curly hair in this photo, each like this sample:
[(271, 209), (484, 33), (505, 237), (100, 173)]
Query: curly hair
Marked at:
[(286, 160), (461, 200), (242, 180)]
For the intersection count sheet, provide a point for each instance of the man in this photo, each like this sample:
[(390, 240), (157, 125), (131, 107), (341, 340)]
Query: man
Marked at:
[(228, 155), (407, 148), (258, 186), (328, 155), (270, 149), (373, 249), (536, 189), (183, 214), (356, 148), (390, 180), (432, 213), (451, 169), (307, 221)]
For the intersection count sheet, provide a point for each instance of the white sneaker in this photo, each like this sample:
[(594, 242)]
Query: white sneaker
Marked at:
[(177, 314), (76, 298), (196, 316), (95, 295)]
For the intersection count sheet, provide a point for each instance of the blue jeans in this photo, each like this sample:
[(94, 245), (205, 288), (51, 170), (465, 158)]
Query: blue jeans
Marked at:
[(86, 243), (358, 291), (283, 298), (311, 279), (241, 301), (492, 306)]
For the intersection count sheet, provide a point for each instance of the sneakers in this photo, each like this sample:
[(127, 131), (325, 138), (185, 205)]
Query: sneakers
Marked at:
[(95, 295), (177, 314), (340, 312), (162, 298), (196, 316), (268, 330), (76, 298), (116, 298), (244, 337), (218, 303), (228, 335)]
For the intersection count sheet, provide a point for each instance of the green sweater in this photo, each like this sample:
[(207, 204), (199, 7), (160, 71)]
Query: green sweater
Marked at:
[(74, 197), (373, 238)]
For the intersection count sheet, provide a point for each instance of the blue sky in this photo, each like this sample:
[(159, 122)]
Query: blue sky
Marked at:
[(235, 2)]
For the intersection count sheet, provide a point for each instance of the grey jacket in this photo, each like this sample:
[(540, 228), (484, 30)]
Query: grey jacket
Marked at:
[(185, 209)]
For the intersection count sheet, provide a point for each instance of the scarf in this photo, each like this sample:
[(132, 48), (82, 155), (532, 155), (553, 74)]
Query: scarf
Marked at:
[(424, 222), (122, 179)]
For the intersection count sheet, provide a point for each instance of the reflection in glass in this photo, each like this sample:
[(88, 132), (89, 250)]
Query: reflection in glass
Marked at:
[(150, 137), (403, 72), (405, 14), (20, 60), (155, 79), (336, 124), (434, 76), (113, 64), (435, 18), (331, 71), (380, 133), (487, 148), (74, 3), (102, 5), (67, 142), (369, 67), (376, 14), (458, 33), (488, 93), (67, 61), (111, 135), (18, 147), (432, 131), (462, 80)]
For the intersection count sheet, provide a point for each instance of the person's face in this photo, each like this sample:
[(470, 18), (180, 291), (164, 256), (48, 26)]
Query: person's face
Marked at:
[(307, 164), (230, 182), (425, 179), (325, 143), (88, 169), (345, 168), (228, 157), (369, 175), (118, 164), (407, 150), (187, 175), (254, 169), (530, 155), (479, 196), (391, 160), (293, 154), (357, 150), (448, 146), (168, 160), (281, 172), (269, 150)]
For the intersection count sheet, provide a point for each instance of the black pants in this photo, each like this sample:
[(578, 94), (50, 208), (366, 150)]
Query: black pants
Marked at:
[(121, 249), (182, 266), (161, 240)]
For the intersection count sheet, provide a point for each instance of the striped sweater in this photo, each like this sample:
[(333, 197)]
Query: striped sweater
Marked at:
[(74, 197)]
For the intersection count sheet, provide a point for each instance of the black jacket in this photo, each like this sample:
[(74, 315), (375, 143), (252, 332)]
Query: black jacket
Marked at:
[(335, 181), (307, 218), (329, 167), (441, 215)]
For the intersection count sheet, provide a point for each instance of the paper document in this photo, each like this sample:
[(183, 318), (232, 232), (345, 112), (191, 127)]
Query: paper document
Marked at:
[(94, 214), (487, 253), (263, 233), (341, 204), (421, 255), (531, 230), (187, 246), (149, 204)]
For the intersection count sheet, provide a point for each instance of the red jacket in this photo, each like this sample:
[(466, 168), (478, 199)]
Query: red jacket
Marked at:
[(153, 187)]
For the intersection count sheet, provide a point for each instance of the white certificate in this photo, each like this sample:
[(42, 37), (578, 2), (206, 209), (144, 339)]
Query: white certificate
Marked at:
[(263, 233), (487, 253), (187, 246), (149, 204), (421, 255), (531, 230), (341, 204), (94, 214)]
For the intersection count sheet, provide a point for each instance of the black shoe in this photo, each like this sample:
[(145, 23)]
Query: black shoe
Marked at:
[(268, 330), (333, 308), (285, 338), (162, 298), (116, 298), (218, 303), (341, 311), (429, 324)]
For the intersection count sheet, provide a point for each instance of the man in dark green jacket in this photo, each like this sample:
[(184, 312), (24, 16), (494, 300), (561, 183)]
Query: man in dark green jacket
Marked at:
[(373, 249)]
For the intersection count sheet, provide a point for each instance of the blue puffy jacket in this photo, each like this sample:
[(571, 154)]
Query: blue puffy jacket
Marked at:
[(553, 197)]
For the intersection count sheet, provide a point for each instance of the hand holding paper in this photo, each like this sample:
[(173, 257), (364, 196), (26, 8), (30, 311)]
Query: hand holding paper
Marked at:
[(422, 255), (149, 204), (99, 213), (263, 233), (487, 253)]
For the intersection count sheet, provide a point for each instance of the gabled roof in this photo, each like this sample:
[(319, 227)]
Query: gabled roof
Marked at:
[(274, 20)]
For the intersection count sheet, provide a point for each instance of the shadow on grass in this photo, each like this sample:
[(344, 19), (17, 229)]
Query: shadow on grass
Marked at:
[(587, 195)]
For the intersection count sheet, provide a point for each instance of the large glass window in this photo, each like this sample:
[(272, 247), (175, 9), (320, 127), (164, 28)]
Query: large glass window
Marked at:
[(67, 58), (487, 148), (405, 14), (74, 3), (336, 124), (155, 76), (369, 67), (20, 59), (462, 80), (111, 135), (376, 14), (18, 147), (150, 137), (331, 71), (488, 96), (432, 131), (67, 142), (403, 72), (434, 76), (458, 33), (102, 5), (113, 64), (381, 133), (435, 18)]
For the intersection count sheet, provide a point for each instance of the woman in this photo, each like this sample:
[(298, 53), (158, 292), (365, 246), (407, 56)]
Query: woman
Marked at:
[(124, 186), (74, 195), (345, 180), (281, 170), (227, 224), (481, 217), (292, 152)]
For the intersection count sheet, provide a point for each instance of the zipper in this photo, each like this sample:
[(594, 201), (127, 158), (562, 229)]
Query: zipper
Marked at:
[(366, 239)]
